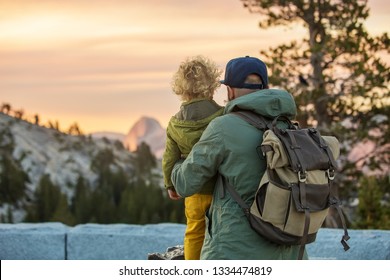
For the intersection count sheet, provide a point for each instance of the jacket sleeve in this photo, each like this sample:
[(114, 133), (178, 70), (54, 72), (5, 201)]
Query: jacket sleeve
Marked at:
[(202, 163), (170, 157)]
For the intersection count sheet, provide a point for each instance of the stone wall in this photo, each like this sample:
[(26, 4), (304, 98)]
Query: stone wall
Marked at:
[(56, 241)]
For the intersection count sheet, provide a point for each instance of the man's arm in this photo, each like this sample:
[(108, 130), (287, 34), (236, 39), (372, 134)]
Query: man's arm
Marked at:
[(202, 163)]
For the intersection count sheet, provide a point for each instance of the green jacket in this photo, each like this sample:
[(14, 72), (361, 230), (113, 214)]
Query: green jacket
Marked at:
[(228, 146), (183, 131)]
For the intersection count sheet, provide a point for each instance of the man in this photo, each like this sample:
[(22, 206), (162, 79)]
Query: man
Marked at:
[(228, 147)]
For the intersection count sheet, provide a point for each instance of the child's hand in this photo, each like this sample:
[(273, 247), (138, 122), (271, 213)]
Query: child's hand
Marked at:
[(173, 194)]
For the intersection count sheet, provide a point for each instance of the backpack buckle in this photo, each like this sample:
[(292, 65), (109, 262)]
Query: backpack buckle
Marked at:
[(331, 174), (302, 177)]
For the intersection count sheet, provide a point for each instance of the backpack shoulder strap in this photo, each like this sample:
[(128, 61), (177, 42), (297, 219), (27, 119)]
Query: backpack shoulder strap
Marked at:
[(260, 123), (254, 119), (235, 195)]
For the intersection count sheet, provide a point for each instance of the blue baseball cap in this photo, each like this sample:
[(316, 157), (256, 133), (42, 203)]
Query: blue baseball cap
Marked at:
[(238, 69)]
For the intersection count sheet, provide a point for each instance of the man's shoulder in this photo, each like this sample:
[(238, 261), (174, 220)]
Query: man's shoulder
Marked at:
[(222, 119), (222, 123)]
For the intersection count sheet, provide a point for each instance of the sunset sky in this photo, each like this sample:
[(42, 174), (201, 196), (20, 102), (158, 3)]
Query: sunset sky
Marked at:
[(104, 64)]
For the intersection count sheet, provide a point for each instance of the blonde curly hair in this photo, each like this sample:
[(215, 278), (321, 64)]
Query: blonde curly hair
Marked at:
[(197, 77)]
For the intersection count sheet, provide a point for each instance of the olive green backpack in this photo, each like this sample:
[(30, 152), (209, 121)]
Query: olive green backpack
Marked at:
[(296, 191)]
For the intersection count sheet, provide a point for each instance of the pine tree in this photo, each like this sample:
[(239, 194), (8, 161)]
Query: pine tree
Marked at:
[(373, 211), (82, 203), (49, 204), (13, 180), (337, 74), (101, 165), (62, 213), (119, 183), (129, 206), (145, 160)]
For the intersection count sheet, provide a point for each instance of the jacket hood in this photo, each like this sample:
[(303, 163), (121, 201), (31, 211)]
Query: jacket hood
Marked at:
[(268, 103), (196, 114), (180, 129)]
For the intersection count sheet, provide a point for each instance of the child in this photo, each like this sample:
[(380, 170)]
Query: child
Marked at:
[(195, 82)]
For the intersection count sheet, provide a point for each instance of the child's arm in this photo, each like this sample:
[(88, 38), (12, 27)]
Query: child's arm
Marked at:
[(171, 155)]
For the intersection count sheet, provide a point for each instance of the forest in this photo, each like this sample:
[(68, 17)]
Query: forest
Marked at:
[(116, 197)]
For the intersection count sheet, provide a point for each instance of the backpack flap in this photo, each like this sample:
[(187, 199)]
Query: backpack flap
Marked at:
[(304, 152)]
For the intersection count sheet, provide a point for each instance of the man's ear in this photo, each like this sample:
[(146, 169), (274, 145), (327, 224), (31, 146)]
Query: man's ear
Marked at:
[(230, 92)]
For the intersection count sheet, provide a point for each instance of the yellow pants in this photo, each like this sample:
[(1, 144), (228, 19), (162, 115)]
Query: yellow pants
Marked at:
[(195, 210)]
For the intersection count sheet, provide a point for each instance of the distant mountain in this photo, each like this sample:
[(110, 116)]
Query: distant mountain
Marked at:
[(34, 150), (147, 130)]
